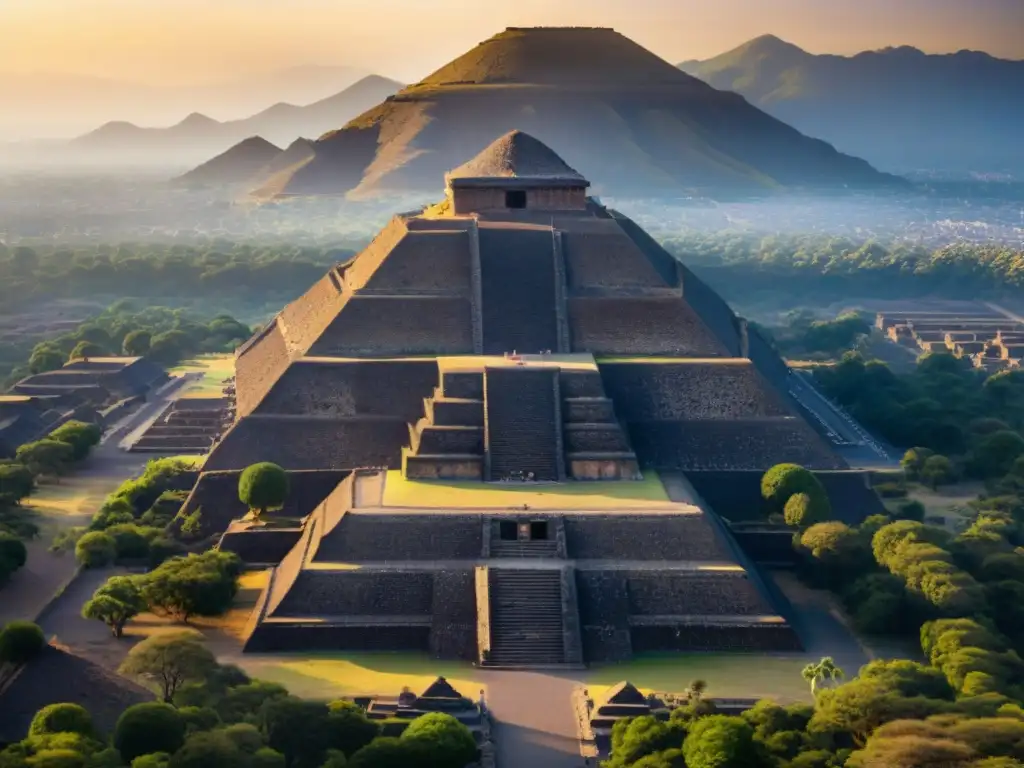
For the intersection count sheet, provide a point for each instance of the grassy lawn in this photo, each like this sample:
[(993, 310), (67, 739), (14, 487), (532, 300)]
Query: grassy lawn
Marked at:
[(215, 368), (400, 492), (327, 675), (727, 675)]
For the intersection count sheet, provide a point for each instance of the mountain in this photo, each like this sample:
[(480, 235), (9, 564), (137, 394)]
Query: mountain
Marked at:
[(628, 120), (899, 108), (198, 135), (56, 105), (235, 166)]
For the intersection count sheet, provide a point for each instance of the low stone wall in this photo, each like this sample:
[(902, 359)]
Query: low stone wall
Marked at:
[(463, 384), (430, 468), (603, 600), (588, 411), (381, 538), (694, 594), (596, 438), (765, 637), (457, 413), (260, 546), (453, 632), (440, 441), (273, 637), (358, 593)]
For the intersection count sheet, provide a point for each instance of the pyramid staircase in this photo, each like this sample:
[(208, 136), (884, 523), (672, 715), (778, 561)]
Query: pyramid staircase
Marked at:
[(516, 423), (525, 618), (521, 548)]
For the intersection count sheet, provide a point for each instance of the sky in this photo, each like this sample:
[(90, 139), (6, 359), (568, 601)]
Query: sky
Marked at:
[(165, 42)]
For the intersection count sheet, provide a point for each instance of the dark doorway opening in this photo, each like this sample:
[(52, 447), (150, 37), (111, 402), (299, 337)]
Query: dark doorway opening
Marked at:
[(508, 530), (515, 198), (539, 530)]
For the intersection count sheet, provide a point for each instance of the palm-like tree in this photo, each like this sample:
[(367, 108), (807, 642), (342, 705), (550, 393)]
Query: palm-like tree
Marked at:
[(826, 669), (697, 689)]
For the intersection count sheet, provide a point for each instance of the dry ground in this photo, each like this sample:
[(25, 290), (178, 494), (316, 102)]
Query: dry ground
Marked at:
[(948, 502), (215, 369), (64, 504)]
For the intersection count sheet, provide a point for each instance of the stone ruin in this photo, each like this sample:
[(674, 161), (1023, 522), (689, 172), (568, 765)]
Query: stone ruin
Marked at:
[(520, 339), (990, 340)]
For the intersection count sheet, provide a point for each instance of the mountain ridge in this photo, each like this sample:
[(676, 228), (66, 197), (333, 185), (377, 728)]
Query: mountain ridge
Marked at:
[(899, 107), (629, 120)]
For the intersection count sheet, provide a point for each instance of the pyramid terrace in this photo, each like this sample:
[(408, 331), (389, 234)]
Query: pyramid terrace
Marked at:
[(495, 418)]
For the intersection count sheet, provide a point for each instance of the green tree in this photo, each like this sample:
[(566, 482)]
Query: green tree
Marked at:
[(16, 482), (299, 730), (85, 349), (13, 553), (46, 457), (170, 660), (803, 510), (719, 741), (20, 641), (194, 585), (388, 752), (96, 549), (154, 760), (56, 758), (46, 358), (209, 749), (937, 470), (82, 437), (913, 461), (825, 670), (784, 480), (62, 718), (146, 728), (350, 727), (136, 343), (994, 454), (448, 742), (263, 486), (115, 603)]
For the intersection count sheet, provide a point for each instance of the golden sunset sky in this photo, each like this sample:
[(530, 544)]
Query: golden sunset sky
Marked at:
[(192, 41)]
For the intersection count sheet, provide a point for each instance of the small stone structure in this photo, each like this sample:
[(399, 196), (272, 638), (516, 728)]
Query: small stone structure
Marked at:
[(991, 341)]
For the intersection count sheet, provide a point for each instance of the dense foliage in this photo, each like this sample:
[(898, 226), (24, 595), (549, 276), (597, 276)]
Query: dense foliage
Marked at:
[(263, 486), (839, 266), (214, 715), (943, 405)]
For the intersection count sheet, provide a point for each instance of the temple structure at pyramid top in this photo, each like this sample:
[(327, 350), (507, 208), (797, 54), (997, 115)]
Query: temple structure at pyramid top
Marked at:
[(516, 172), (502, 419)]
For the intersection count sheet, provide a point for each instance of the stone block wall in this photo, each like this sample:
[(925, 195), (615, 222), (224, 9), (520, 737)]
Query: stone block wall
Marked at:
[(603, 600), (457, 413), (363, 537), (358, 593), (587, 410), (440, 441), (674, 593), (761, 637), (257, 367), (643, 537), (580, 384), (718, 444), (690, 391), (607, 259), (406, 325), (596, 438), (428, 262), (340, 389), (306, 317), (468, 385), (260, 546), (453, 631), (271, 637), (640, 327)]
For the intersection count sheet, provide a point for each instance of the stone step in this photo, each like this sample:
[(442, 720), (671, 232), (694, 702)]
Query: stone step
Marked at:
[(526, 616)]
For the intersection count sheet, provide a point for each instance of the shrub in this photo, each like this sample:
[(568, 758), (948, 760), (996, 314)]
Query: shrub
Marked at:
[(447, 741), (12, 550), (20, 641), (96, 550), (62, 718), (79, 435), (263, 486), (131, 541), (804, 510), (194, 585), (46, 457), (783, 480), (146, 728), (16, 482)]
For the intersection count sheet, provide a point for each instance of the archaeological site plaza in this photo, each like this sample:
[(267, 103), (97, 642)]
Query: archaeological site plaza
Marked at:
[(503, 422)]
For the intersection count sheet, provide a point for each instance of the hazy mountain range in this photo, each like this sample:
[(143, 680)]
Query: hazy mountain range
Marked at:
[(198, 136), (634, 124), (898, 108), (61, 106)]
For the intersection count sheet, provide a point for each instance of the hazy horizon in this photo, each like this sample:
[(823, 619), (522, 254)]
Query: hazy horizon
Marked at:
[(189, 43)]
